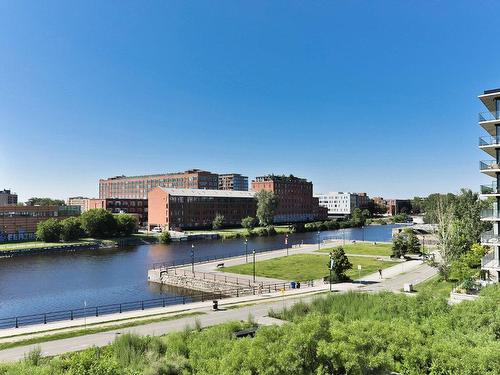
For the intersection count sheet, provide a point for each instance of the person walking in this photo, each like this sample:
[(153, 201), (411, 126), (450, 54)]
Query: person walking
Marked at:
[(380, 272)]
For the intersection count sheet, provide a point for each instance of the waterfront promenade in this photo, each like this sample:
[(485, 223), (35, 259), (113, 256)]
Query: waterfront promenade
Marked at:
[(395, 277)]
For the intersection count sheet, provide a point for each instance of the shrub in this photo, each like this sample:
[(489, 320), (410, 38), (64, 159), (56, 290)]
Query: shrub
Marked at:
[(71, 229), (249, 222), (218, 222), (164, 237), (49, 230), (270, 230), (98, 223), (126, 224)]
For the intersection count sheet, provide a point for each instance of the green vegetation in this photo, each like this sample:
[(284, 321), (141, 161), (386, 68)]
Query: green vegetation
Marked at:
[(249, 223), (267, 203), (38, 244), (35, 201), (164, 237), (364, 248), (71, 229), (49, 230), (91, 330), (340, 264), (218, 222), (435, 286), (349, 333), (404, 243), (302, 267)]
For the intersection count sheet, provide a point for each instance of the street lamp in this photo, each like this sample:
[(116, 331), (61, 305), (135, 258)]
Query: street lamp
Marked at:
[(286, 243), (253, 266), (246, 250), (330, 266), (318, 241), (192, 257)]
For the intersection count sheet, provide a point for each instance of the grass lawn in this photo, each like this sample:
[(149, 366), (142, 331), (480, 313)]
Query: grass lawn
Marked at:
[(237, 232), (435, 286), (302, 267), (366, 248)]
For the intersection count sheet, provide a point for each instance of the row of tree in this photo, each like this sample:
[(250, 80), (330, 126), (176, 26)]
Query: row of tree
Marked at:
[(95, 223)]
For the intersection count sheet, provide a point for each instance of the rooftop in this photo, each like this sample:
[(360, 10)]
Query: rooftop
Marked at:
[(208, 193), (189, 171)]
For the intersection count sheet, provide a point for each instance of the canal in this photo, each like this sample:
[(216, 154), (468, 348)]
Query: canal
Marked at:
[(41, 283)]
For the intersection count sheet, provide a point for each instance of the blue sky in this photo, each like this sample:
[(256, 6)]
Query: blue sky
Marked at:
[(375, 96)]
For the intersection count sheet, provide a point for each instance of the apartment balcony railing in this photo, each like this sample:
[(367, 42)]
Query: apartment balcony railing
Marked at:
[(490, 238), (488, 141), (490, 213), (490, 189), (489, 116), (488, 164), (489, 261)]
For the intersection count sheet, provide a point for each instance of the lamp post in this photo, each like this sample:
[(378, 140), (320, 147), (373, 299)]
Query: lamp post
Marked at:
[(192, 258), (330, 266), (246, 250), (319, 245), (286, 243), (253, 266)]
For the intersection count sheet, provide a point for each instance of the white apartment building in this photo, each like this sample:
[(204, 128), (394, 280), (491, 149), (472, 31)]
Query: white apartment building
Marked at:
[(338, 203)]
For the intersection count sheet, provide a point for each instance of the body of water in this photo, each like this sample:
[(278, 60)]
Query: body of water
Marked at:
[(59, 281)]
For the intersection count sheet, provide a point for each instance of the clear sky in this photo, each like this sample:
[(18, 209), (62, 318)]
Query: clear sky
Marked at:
[(375, 96)]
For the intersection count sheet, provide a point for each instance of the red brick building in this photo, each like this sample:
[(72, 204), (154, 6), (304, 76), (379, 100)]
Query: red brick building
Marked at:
[(137, 187), (179, 209), (19, 223), (137, 207), (295, 198)]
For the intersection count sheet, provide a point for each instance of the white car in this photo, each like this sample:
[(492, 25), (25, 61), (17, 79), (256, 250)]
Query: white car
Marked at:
[(156, 230)]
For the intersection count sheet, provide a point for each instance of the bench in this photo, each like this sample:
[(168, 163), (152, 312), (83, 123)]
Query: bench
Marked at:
[(220, 265)]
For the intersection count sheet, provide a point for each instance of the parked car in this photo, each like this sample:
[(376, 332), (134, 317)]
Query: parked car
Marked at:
[(156, 230)]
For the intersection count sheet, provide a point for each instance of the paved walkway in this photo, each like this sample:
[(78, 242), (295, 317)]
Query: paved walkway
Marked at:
[(393, 280)]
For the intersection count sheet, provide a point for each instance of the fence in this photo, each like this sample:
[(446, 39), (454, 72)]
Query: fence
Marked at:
[(95, 311)]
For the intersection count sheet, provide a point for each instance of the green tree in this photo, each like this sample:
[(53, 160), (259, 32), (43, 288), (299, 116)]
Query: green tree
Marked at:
[(399, 246), (164, 237), (99, 223), (71, 229), (218, 222), (341, 263), (49, 230), (248, 222), (358, 217), (267, 203), (413, 243), (126, 224), (35, 201)]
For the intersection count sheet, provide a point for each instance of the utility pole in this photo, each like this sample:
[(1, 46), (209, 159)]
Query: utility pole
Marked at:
[(253, 266), (192, 258)]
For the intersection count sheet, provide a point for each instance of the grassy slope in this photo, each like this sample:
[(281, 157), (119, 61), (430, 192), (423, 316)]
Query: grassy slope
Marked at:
[(366, 248), (303, 267), (436, 286)]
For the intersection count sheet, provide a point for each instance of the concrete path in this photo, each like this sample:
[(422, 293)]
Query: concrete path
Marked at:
[(394, 278)]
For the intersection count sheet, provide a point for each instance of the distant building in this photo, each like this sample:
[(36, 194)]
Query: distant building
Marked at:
[(137, 207), (179, 209), (7, 198), (295, 198), (338, 203), (137, 187), (398, 206), (19, 223), (362, 200), (233, 181), (78, 201)]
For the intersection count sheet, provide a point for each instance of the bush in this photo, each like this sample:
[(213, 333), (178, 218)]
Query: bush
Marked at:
[(126, 224), (49, 230), (164, 237), (71, 229), (99, 223), (218, 222), (249, 222)]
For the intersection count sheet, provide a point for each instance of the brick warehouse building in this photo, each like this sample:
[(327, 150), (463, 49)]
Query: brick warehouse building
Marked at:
[(179, 209), (137, 187), (137, 207), (19, 222), (295, 198)]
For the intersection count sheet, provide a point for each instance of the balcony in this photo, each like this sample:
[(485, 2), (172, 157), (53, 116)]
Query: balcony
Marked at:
[(489, 144), (489, 167), (488, 120), (489, 238), (490, 189), (490, 214), (489, 261)]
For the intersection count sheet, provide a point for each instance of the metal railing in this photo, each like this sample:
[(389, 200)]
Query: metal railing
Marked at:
[(96, 311), (490, 213), (490, 238), (490, 189), (489, 116), (489, 261), (209, 276), (487, 141), (207, 259), (488, 164)]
